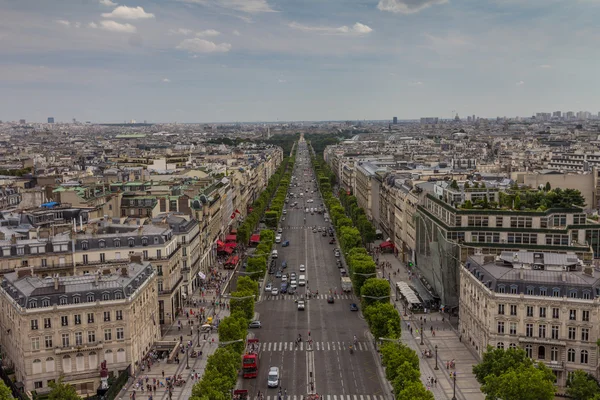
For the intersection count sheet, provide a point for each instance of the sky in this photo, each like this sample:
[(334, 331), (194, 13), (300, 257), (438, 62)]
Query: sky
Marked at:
[(295, 60)]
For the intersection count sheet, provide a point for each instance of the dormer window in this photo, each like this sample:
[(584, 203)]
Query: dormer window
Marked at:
[(118, 295), (63, 301), (117, 242), (155, 239), (105, 296), (514, 289), (76, 299), (102, 244), (46, 303), (84, 245), (90, 298), (144, 241), (501, 289), (33, 304), (131, 242), (556, 292)]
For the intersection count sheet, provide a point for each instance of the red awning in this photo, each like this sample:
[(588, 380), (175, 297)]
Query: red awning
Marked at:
[(255, 238), (233, 232), (219, 243), (227, 250), (232, 245), (230, 238), (232, 260), (385, 245)]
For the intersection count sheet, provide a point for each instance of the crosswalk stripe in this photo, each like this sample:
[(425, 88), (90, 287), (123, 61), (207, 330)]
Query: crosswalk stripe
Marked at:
[(317, 346)]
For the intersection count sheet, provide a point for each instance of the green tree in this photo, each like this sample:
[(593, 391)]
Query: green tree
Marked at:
[(5, 392), (375, 287), (271, 219), (547, 188), (62, 391), (498, 361), (256, 266), (522, 383), (383, 320), (233, 327), (414, 390), (405, 375), (467, 205), (454, 185), (582, 386), (246, 284), (244, 302)]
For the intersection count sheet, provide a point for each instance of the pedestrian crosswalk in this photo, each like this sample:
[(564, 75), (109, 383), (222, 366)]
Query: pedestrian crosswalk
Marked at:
[(315, 346), (315, 297), (329, 397)]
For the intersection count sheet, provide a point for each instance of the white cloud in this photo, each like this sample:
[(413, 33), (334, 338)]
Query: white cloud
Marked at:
[(63, 22), (415, 83), (124, 12), (407, 6), (356, 29), (77, 24), (546, 66), (281, 80), (247, 6), (208, 33), (166, 80), (181, 31), (107, 3), (236, 33), (113, 26), (197, 45), (93, 25), (520, 83)]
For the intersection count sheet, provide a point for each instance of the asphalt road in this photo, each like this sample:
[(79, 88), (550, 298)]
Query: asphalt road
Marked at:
[(328, 364)]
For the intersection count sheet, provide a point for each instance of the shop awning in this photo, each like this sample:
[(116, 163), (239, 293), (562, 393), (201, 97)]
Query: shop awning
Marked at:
[(227, 250), (219, 243), (230, 238), (255, 238), (233, 232), (232, 260), (232, 245), (386, 245)]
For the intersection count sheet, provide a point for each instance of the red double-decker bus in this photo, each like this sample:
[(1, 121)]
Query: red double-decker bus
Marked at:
[(250, 359)]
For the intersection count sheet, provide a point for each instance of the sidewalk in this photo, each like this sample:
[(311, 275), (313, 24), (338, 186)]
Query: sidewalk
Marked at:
[(446, 339), (160, 369)]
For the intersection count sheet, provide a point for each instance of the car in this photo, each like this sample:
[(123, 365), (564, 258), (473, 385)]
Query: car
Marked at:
[(330, 299), (314, 230), (291, 290), (271, 271), (331, 233), (332, 241), (284, 264), (343, 272), (337, 253), (302, 268), (319, 229), (284, 212), (284, 278), (274, 254), (300, 305), (278, 239), (293, 283), (274, 291), (273, 377), (254, 324), (280, 230), (286, 243), (292, 275), (269, 287), (353, 307), (324, 234), (278, 274), (284, 288)]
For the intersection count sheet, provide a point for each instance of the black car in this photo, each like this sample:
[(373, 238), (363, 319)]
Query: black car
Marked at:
[(353, 307), (330, 299), (291, 290)]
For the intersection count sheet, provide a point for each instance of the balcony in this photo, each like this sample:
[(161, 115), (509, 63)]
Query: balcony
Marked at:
[(98, 345)]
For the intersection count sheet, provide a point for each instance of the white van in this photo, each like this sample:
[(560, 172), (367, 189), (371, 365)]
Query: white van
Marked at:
[(278, 239), (274, 254), (302, 280)]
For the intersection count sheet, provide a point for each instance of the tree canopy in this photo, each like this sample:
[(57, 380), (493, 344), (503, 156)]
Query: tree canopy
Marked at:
[(62, 391), (582, 386)]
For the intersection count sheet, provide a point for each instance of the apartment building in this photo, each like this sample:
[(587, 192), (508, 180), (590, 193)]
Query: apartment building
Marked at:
[(56, 327), (544, 303)]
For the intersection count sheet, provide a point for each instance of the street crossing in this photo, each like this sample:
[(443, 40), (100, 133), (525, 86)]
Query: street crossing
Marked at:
[(329, 397), (316, 297), (316, 346)]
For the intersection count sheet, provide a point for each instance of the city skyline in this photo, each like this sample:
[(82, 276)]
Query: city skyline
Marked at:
[(265, 60)]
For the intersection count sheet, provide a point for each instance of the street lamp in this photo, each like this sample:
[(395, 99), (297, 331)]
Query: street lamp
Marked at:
[(223, 344), (454, 379), (367, 275), (376, 298), (436, 365), (198, 333), (187, 353), (239, 298), (422, 333)]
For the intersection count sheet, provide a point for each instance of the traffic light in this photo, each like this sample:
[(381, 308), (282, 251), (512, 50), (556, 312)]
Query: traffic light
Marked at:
[(411, 264)]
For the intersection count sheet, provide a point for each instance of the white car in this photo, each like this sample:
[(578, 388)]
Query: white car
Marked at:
[(274, 291), (274, 254), (273, 377), (269, 287), (300, 305), (278, 239), (302, 268), (284, 278), (294, 284), (280, 230), (284, 212)]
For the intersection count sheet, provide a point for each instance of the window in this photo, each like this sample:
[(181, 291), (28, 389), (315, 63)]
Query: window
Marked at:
[(477, 221), (513, 309), (44, 262), (118, 295), (500, 345), (101, 244), (64, 320), (557, 240), (585, 334), (131, 242), (105, 296), (120, 334), (158, 254), (45, 303), (90, 298), (584, 357), (38, 384), (35, 343), (555, 292), (106, 316), (90, 318), (586, 294), (555, 329), (529, 350), (91, 337), (102, 257), (63, 301), (47, 323), (77, 319), (144, 241), (501, 309), (84, 245), (145, 254), (585, 316), (499, 222), (500, 326), (119, 315), (542, 331), (34, 324), (543, 291), (530, 311), (530, 290), (529, 330), (554, 354), (542, 312), (521, 222), (573, 315), (76, 299), (117, 243), (558, 220), (78, 338), (572, 332), (513, 328), (573, 293), (85, 259), (48, 341), (555, 312), (184, 250), (108, 335), (541, 352), (65, 340), (513, 289), (159, 270), (571, 355)]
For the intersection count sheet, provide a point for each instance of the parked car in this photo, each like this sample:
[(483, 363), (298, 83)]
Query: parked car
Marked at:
[(302, 268), (274, 291), (255, 324), (278, 274), (268, 288)]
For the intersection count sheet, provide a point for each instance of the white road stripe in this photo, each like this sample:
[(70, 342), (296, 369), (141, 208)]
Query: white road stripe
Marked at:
[(328, 347), (361, 397), (318, 346), (280, 346), (285, 346), (301, 346)]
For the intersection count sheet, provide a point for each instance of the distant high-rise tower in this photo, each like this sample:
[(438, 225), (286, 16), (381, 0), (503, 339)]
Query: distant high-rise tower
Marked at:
[(22, 122), (50, 120), (557, 114), (395, 120)]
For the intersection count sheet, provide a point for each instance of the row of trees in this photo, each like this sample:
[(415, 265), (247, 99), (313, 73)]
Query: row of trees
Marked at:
[(401, 363), (511, 375), (358, 216)]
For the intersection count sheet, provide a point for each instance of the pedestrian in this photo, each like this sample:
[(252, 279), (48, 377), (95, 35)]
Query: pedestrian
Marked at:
[(163, 373), (435, 382)]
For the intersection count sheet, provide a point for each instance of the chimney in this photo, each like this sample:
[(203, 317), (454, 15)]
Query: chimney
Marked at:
[(56, 282), (97, 278), (521, 274), (564, 276), (136, 258)]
